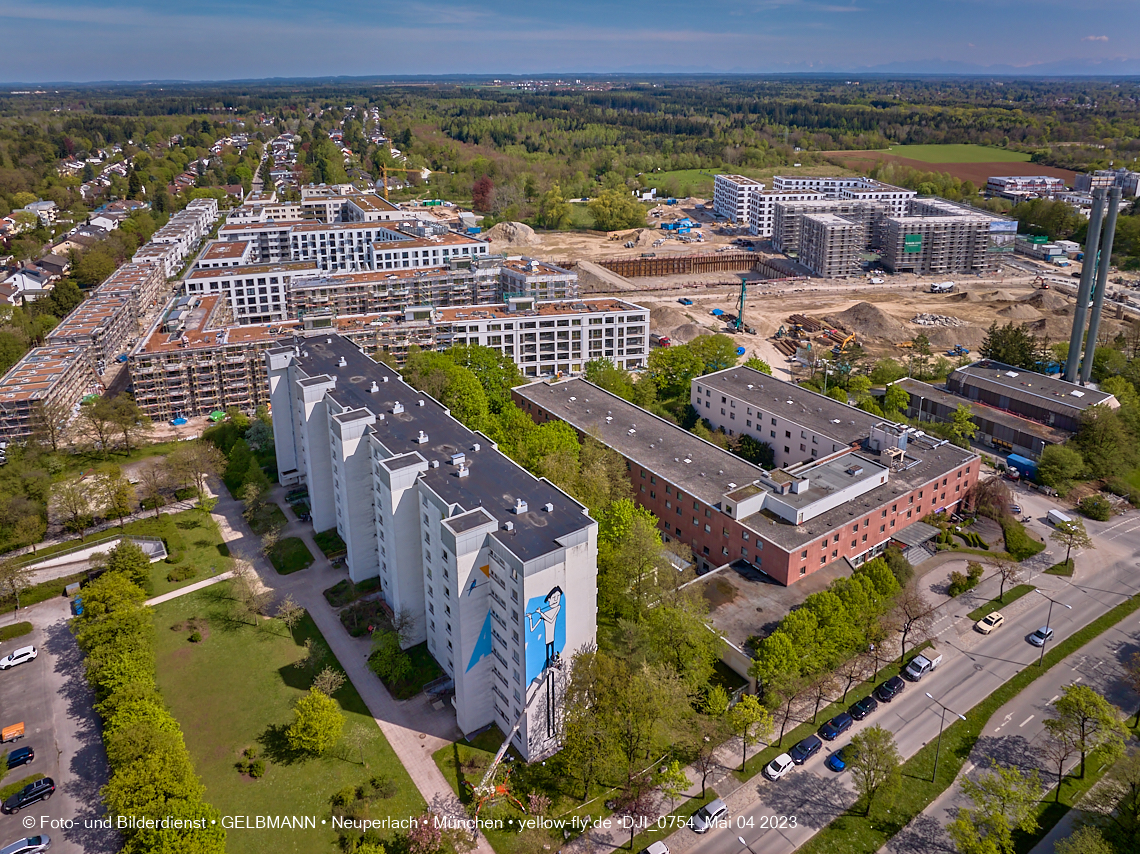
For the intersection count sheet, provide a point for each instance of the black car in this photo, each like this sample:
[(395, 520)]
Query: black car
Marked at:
[(863, 708), (40, 790), (836, 726), (806, 749), (890, 689), (20, 756)]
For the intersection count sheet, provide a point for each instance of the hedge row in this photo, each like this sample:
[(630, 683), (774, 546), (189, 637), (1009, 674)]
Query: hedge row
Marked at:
[(151, 772)]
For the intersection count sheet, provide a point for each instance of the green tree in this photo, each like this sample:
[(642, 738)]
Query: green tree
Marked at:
[(677, 634), (1088, 721), (1070, 534), (1011, 345), (755, 451), (553, 211), (496, 373), (116, 494), (758, 364), (672, 780), (97, 422), (317, 723), (887, 371), (962, 426), (749, 721), (129, 419), (615, 209), (1103, 442), (606, 375), (73, 497), (1004, 800), (1085, 840), (715, 352), (1059, 466), (129, 559), (15, 578), (1115, 801), (672, 368), (875, 765)]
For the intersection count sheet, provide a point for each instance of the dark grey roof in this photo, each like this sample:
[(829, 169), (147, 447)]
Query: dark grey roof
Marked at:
[(981, 410), (915, 534), (493, 481), (1030, 387)]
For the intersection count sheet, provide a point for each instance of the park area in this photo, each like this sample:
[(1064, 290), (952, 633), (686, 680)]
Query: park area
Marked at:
[(233, 691)]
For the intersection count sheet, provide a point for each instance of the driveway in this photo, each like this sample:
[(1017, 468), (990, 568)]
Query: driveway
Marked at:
[(51, 696)]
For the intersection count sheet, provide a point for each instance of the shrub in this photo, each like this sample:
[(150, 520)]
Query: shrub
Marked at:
[(195, 637), (1017, 541), (382, 787), (974, 572), (346, 797), (959, 584), (257, 768), (1096, 507), (181, 573)]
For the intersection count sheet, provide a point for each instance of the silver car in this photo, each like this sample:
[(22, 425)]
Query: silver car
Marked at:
[(707, 816), (30, 845)]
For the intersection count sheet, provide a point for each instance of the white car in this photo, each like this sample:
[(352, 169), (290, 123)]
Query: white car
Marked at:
[(21, 655), (709, 815), (778, 767), (655, 848)]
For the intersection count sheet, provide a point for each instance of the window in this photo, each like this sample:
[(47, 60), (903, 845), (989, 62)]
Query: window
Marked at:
[(803, 555)]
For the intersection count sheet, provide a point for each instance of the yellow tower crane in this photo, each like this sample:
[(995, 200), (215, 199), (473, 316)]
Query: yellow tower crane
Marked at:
[(384, 170)]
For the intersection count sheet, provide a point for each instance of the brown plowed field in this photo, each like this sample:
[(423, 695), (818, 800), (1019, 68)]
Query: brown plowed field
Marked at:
[(979, 173)]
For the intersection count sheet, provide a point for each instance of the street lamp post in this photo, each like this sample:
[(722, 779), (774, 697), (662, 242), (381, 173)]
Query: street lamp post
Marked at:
[(1048, 621), (745, 844), (941, 724)]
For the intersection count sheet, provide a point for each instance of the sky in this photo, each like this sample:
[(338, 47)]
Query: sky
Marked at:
[(84, 40)]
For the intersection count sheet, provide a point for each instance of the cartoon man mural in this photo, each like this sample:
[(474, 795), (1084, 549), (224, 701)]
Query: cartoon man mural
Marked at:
[(547, 614)]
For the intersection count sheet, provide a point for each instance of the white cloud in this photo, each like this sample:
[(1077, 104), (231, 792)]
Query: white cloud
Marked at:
[(1095, 39)]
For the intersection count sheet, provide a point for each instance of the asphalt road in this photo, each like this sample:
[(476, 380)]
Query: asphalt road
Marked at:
[(51, 696), (973, 667)]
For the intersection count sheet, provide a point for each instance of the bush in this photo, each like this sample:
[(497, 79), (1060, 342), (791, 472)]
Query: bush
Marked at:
[(1017, 541), (257, 768), (195, 637), (1096, 507), (974, 572), (181, 573), (346, 797), (959, 584)]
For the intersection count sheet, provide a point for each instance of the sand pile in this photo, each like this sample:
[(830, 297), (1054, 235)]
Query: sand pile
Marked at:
[(645, 237), (870, 322), (966, 296), (1019, 311), (1048, 301), (512, 234), (687, 332), (665, 319), (943, 338)]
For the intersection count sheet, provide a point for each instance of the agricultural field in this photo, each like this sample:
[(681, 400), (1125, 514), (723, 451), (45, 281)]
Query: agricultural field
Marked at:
[(958, 154)]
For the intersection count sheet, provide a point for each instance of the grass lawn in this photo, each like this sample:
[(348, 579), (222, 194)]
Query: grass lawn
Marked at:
[(958, 154), (269, 517), (290, 555), (330, 543), (580, 217), (424, 670), (16, 630), (1064, 568), (81, 461), (854, 833), (234, 690), (467, 762), (344, 591), (1011, 595), (12, 788)]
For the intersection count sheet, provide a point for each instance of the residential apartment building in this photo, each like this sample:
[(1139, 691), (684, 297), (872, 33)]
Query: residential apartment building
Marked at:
[(732, 196), (850, 189), (528, 277), (257, 293), (938, 236), (143, 286), (788, 219), (1019, 187), (48, 382), (844, 484), (497, 569), (104, 325), (171, 245), (762, 221), (831, 245)]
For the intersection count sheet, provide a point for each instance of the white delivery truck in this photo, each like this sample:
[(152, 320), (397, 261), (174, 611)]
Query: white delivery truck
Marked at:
[(1056, 517), (920, 665)]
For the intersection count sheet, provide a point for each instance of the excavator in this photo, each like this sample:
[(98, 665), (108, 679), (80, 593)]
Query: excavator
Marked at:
[(839, 348)]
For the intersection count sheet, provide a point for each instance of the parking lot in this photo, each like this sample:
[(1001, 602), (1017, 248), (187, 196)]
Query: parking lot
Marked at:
[(51, 697)]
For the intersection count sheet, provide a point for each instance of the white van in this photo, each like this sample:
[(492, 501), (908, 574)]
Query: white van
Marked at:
[(1056, 517)]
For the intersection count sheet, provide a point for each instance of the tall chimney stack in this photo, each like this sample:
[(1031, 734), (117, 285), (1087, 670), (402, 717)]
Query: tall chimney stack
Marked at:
[(1107, 233), (1084, 290)]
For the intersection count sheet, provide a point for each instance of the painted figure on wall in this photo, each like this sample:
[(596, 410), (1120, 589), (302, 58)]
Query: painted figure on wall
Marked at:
[(546, 619)]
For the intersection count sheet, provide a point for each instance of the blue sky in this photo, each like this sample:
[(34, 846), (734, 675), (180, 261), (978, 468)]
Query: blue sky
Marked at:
[(82, 40)]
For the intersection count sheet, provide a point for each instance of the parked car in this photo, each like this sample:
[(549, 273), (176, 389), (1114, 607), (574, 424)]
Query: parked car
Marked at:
[(778, 767), (655, 848), (806, 749), (708, 815), (40, 790), (889, 689), (20, 756), (28, 845), (1015, 509), (863, 707), (839, 760), (920, 665), (836, 726), (23, 654), (990, 622), (1042, 636)]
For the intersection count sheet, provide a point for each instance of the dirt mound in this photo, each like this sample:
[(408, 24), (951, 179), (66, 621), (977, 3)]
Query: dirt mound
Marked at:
[(870, 322), (998, 296), (966, 296), (512, 234), (645, 237), (943, 338), (1019, 312), (687, 332), (1048, 301), (665, 319)]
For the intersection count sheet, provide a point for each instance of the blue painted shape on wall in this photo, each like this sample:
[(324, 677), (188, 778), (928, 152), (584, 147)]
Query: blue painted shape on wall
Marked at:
[(482, 644), (545, 631)]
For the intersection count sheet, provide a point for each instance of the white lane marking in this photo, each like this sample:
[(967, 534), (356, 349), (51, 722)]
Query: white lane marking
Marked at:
[(1051, 699), (1078, 679), (1027, 720)]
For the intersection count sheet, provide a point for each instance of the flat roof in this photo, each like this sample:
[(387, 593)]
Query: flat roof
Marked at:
[(998, 416), (493, 482), (832, 220), (1030, 387), (449, 239), (252, 269), (39, 369), (372, 202), (456, 314), (90, 316), (220, 250)]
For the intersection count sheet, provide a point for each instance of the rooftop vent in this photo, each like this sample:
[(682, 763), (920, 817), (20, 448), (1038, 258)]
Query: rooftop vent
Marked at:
[(375, 388), (434, 464), (475, 447), (419, 403), (385, 379), (328, 340), (855, 471), (573, 398), (520, 506), (508, 526), (397, 408), (422, 438), (462, 471), (458, 459), (548, 507), (342, 362)]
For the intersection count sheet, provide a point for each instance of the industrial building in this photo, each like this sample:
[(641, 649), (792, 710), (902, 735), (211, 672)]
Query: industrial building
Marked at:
[(496, 569), (844, 484), (1125, 179)]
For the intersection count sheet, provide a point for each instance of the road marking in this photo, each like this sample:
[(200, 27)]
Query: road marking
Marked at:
[(1054, 697), (1078, 679), (1008, 718), (1027, 720), (968, 768)]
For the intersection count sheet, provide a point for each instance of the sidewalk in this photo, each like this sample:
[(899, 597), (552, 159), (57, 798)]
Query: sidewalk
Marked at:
[(189, 588), (413, 728)]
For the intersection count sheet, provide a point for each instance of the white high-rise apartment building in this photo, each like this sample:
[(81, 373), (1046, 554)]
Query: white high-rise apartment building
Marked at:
[(745, 200), (497, 569)]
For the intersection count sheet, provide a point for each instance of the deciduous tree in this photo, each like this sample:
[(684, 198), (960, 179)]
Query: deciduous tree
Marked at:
[(914, 617), (317, 724), (749, 721), (1088, 720), (1004, 800), (1071, 534), (875, 764)]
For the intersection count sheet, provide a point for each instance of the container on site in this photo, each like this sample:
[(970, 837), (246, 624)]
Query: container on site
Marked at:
[(1026, 466)]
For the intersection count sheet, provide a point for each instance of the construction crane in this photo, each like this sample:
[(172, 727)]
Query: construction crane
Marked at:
[(385, 169), (738, 321)]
